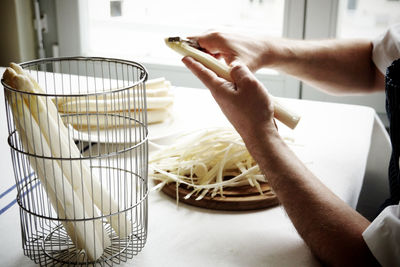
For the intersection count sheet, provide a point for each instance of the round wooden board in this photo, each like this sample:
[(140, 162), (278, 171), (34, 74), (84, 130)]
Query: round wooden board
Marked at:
[(234, 199)]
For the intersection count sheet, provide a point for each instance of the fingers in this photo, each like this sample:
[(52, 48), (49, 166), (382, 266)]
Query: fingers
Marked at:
[(216, 44), (205, 46), (243, 78), (212, 41), (207, 76)]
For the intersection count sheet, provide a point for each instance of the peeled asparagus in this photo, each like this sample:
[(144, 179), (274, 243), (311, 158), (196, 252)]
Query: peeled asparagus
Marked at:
[(158, 104), (286, 116), (158, 87), (206, 59), (103, 121), (85, 105), (68, 202), (157, 83), (64, 146), (157, 92), (51, 129)]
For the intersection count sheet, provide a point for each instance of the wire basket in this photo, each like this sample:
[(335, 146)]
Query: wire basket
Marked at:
[(80, 155)]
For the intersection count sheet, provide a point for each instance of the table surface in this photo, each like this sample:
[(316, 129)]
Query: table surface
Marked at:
[(333, 140)]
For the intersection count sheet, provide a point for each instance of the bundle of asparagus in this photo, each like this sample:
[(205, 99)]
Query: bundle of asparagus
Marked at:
[(72, 188), (158, 97)]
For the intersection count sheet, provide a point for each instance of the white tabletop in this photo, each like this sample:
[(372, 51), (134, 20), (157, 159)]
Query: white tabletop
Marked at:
[(333, 140)]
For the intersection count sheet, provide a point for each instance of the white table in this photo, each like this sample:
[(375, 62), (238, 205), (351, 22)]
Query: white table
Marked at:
[(334, 141)]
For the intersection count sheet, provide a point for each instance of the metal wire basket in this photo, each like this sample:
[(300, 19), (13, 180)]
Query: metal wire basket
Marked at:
[(80, 155)]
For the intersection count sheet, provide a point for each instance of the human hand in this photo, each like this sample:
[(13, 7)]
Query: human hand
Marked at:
[(245, 102), (254, 52)]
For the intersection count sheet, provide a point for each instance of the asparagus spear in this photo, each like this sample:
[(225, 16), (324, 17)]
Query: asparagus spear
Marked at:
[(67, 202), (62, 145)]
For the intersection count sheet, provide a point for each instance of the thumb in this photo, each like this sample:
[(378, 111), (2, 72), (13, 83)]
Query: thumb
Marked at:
[(242, 76)]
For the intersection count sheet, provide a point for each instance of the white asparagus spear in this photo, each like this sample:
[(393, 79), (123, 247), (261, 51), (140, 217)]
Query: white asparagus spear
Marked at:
[(90, 235), (158, 88), (157, 83), (63, 146), (282, 113), (157, 92), (161, 91), (40, 170), (18, 69), (103, 121), (207, 60), (84, 105), (22, 82)]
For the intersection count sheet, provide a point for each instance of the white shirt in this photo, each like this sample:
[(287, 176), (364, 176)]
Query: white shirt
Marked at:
[(383, 234), (386, 48)]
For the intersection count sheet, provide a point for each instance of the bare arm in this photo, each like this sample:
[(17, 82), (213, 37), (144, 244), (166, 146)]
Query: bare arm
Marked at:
[(331, 228), (335, 66), (328, 225)]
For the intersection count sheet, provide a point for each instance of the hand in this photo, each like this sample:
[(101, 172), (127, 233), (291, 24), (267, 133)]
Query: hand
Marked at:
[(251, 51), (245, 102)]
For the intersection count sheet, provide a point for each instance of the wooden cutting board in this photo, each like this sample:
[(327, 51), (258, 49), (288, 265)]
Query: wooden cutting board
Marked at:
[(234, 199)]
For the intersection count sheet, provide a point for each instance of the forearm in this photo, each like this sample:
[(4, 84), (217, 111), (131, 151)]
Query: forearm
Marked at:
[(335, 66), (329, 226)]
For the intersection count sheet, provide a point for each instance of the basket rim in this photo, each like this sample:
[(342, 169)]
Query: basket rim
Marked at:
[(143, 78)]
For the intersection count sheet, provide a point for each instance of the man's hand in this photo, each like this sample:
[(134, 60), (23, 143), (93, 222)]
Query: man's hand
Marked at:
[(251, 51), (245, 102)]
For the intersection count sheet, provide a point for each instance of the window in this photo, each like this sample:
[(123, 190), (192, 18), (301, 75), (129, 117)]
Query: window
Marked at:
[(136, 29), (133, 29), (366, 18), (350, 19)]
